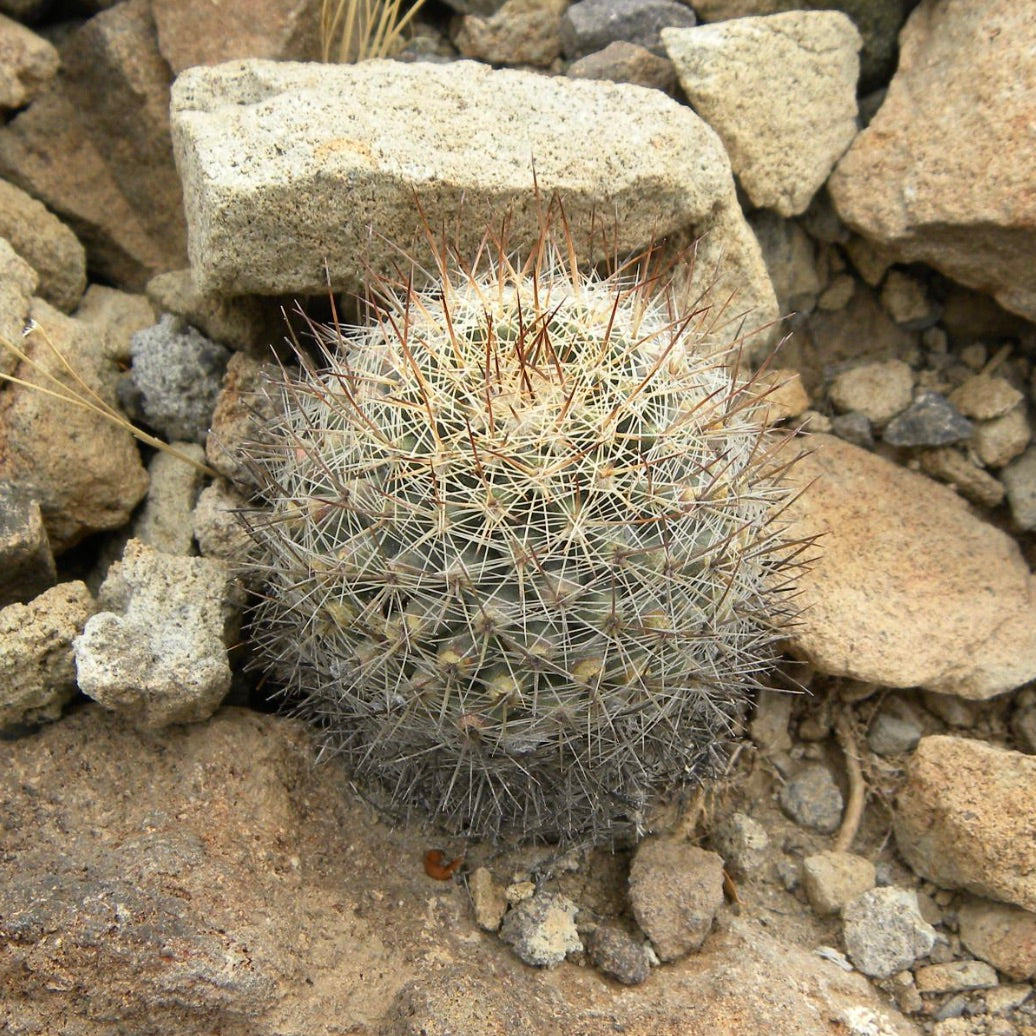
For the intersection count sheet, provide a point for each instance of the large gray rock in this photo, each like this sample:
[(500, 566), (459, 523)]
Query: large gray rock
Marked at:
[(294, 174), (781, 93), (943, 173), (939, 599)]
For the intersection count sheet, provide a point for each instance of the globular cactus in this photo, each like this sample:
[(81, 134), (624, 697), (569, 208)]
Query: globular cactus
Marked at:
[(518, 547)]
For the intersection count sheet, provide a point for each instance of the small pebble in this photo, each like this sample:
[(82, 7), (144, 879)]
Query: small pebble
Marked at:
[(954, 1008), (487, 899), (932, 420), (542, 930), (1019, 478), (904, 989), (890, 734), (811, 798), (1001, 440), (1007, 997), (906, 301), (832, 879), (616, 953), (884, 931), (743, 844), (879, 391), (955, 976), (854, 427), (983, 397)]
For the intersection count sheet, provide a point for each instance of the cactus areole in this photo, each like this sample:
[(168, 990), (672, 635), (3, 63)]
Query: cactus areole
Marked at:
[(518, 547)]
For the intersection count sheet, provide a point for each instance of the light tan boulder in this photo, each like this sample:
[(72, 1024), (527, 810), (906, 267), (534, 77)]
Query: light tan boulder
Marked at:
[(943, 174), (966, 818), (780, 92), (296, 174), (910, 588)]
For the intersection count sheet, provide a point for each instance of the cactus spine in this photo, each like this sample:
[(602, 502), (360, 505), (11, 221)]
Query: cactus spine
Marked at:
[(518, 546)]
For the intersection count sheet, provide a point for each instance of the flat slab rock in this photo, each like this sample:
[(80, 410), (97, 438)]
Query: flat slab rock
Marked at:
[(966, 818), (210, 879), (943, 174), (910, 588), (296, 173)]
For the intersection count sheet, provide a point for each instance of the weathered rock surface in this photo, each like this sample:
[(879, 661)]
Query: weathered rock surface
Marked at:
[(592, 25), (272, 155), (209, 879), (198, 32), (542, 929), (781, 94), (27, 63), (1002, 935), (37, 670), (250, 323), (522, 32), (94, 146), (676, 890), (26, 562), (878, 22), (18, 281), (157, 649), (833, 879), (84, 471), (46, 244), (884, 931), (938, 599), (943, 172), (626, 63), (175, 380), (879, 390), (966, 818), (165, 522)]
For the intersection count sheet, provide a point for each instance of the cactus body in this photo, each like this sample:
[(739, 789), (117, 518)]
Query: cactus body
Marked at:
[(518, 548)]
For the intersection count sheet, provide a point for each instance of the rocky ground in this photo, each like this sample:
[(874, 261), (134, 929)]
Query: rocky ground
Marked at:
[(171, 857)]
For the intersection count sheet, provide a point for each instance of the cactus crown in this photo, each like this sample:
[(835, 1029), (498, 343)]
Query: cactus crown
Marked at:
[(518, 542)]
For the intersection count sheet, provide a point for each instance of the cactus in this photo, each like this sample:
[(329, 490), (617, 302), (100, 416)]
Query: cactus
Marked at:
[(518, 546)]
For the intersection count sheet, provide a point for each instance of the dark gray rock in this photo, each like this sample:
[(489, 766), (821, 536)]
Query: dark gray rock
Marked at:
[(176, 376), (619, 955), (811, 798), (854, 427), (590, 25), (892, 734), (931, 420)]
